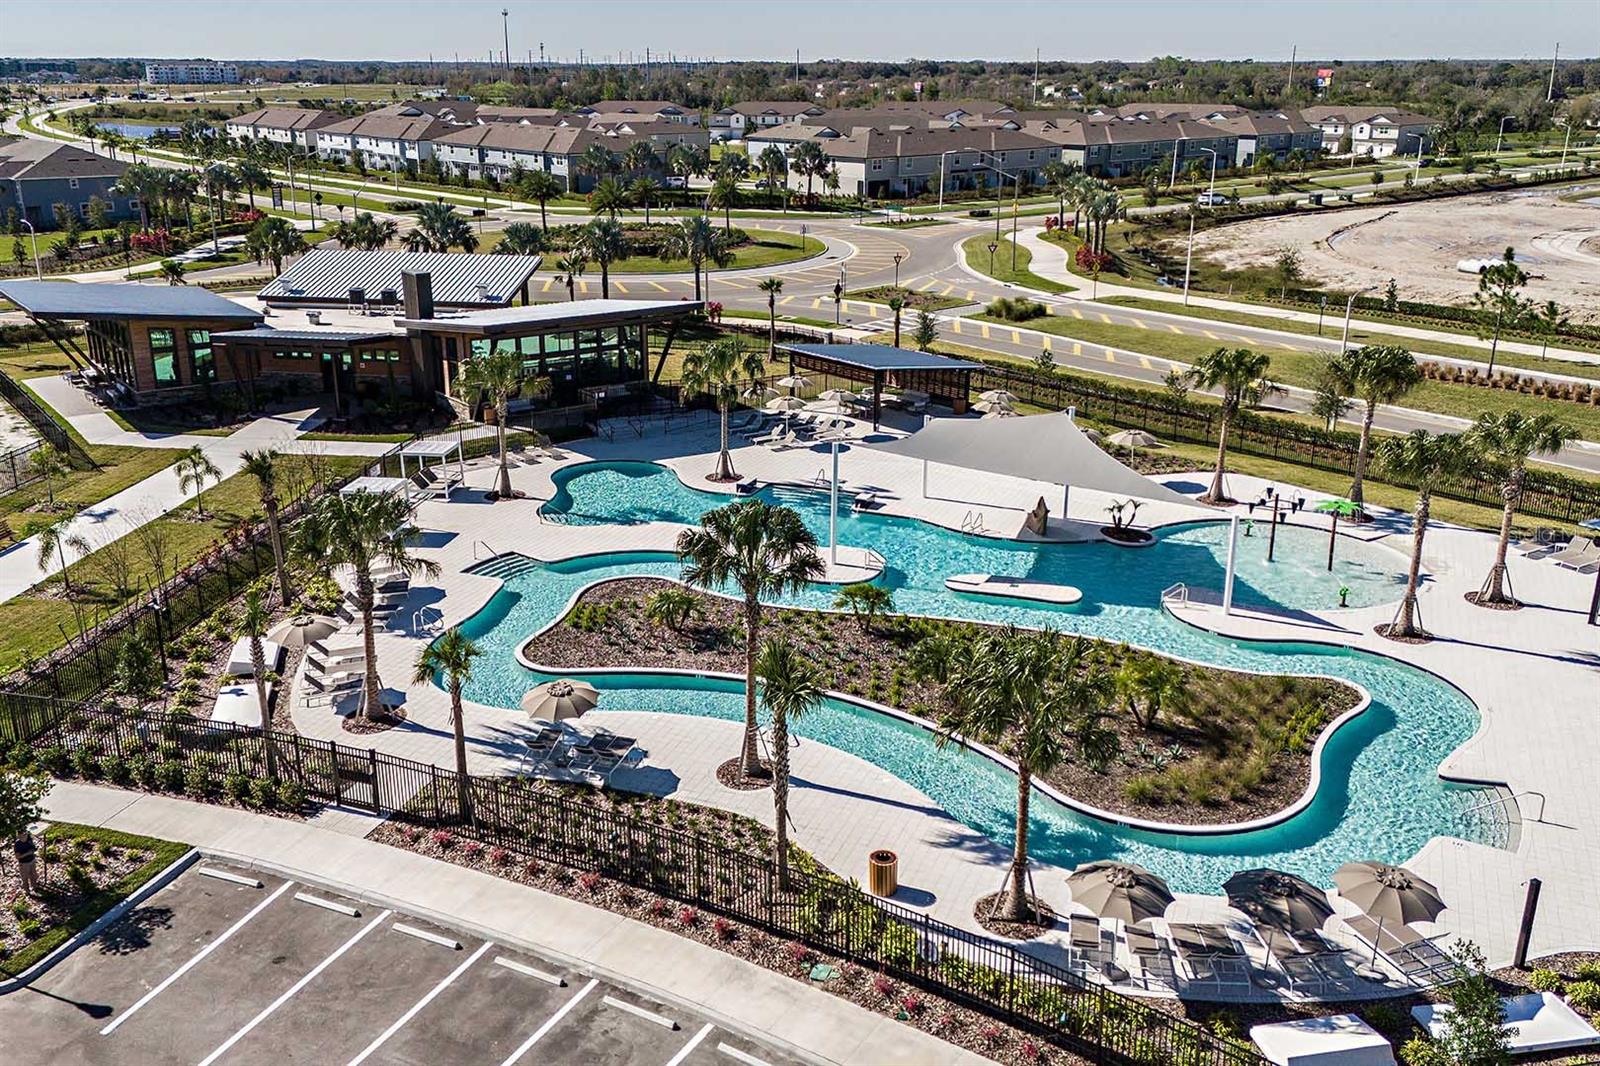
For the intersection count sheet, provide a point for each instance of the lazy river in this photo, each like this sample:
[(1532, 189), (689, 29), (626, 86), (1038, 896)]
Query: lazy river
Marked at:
[(1380, 795)]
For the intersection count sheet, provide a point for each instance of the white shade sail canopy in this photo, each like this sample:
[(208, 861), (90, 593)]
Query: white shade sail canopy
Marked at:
[(1049, 448)]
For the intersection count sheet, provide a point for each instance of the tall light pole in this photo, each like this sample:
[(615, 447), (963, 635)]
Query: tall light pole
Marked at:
[(1172, 178), (1349, 305), (1211, 190), (1502, 134), (942, 154), (1188, 257), (38, 271), (897, 257), (505, 29), (1567, 143)]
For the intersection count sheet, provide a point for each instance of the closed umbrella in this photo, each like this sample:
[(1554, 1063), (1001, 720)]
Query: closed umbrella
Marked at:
[(1119, 890), (557, 701), (1279, 900), (1391, 894), (300, 630), (1000, 395)]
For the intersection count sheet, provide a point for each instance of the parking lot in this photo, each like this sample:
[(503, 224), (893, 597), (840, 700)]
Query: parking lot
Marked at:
[(240, 969)]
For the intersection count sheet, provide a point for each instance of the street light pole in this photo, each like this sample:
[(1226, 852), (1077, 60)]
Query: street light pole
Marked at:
[(1501, 136), (38, 271), (1016, 203), (897, 257), (1344, 341), (1188, 257), (1173, 177), (942, 154), (1211, 190)]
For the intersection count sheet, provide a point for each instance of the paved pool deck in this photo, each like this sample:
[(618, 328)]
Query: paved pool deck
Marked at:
[(1533, 674)]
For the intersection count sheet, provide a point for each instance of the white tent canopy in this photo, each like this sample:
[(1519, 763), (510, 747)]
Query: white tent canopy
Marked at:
[(1049, 448)]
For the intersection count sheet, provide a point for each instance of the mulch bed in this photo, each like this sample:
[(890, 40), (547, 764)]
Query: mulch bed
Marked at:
[(1501, 605), (729, 776), (62, 892), (1126, 535), (1042, 921), (358, 724), (607, 627), (1422, 637)]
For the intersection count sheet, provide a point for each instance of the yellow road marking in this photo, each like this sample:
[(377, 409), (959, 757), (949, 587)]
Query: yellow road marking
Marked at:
[(619, 286), (1109, 357), (1077, 348), (1213, 336), (958, 325), (872, 310), (1173, 328), (660, 287), (983, 330), (1144, 361), (547, 283), (948, 289), (1105, 318), (1016, 337), (1047, 344), (786, 301), (1140, 323), (928, 286), (972, 297), (583, 287), (1075, 312), (1287, 347)]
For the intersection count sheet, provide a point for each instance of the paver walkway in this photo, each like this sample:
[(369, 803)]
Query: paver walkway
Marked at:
[(744, 994)]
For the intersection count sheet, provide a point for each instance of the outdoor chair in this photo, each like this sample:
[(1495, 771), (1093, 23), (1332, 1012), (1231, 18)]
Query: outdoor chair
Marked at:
[(1582, 555), (317, 690), (1088, 943), (1152, 959), (770, 436), (1541, 546), (1416, 957)]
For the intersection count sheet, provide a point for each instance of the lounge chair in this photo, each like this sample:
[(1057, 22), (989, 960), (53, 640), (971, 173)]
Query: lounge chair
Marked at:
[(1152, 959), (317, 690), (1087, 943), (746, 487), (1415, 956), (1582, 555), (769, 436), (865, 501)]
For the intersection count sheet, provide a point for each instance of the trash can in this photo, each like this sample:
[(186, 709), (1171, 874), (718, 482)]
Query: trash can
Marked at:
[(883, 872)]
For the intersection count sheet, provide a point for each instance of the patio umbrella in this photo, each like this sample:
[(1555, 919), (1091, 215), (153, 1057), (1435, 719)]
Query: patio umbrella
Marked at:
[(795, 381), (1094, 435), (998, 395), (1000, 412), (1119, 890), (1336, 508), (839, 396), (1279, 900), (785, 404), (1391, 894), (1133, 438), (987, 406), (557, 701), (299, 630), (751, 392)]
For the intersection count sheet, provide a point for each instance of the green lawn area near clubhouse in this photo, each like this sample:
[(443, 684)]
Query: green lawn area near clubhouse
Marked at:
[(976, 250)]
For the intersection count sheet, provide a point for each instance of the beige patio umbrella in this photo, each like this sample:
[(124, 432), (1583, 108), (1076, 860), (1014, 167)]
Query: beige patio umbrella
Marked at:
[(998, 396), (1133, 438), (557, 701), (1094, 435), (1279, 901), (757, 390), (986, 406), (839, 396), (299, 630), (1391, 894), (794, 381), (1123, 891), (1000, 412), (785, 404)]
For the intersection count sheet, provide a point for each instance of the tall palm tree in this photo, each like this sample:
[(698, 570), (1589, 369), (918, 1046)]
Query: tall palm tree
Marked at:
[(254, 625), (604, 242), (366, 232), (363, 530), (809, 159), (450, 658), (439, 228), (173, 271), (774, 167), (1019, 693), (897, 304), (596, 160), (140, 181), (724, 196), (496, 377), (1378, 374), (639, 157), (274, 239), (569, 268), (54, 540), (610, 196), (220, 180), (263, 466), (644, 191), (790, 688), (195, 468), (762, 551), (522, 238), (697, 241), (252, 177), (541, 186), (1425, 460), (1507, 441), (722, 370), (735, 165), (772, 287), (1240, 375)]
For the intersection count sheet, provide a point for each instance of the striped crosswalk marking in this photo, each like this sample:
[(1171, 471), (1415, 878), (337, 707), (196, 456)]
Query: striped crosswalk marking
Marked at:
[(1016, 337), (948, 289), (983, 330), (660, 287), (619, 286)]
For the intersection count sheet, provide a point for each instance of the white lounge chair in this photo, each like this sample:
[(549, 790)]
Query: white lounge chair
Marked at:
[(1582, 555)]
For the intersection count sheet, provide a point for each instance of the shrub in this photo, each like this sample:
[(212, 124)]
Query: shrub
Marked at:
[(30, 928), (1545, 981), (1420, 1051), (1584, 996), (911, 1003), (1589, 971), (499, 856), (197, 783), (21, 908), (722, 929), (589, 880), (291, 795), (85, 763), (1016, 308), (688, 917), (882, 985), (263, 793), (169, 776), (235, 787), (443, 839), (797, 952), (471, 849)]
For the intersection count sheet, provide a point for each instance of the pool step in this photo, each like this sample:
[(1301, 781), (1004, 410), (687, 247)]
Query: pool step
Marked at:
[(504, 566)]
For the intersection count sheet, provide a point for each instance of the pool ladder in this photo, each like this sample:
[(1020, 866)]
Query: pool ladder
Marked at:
[(1178, 593), (972, 522)]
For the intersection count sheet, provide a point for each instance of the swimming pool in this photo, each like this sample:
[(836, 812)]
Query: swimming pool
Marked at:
[(1380, 797)]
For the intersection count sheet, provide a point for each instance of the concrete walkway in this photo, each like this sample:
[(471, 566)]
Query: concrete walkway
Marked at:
[(745, 995)]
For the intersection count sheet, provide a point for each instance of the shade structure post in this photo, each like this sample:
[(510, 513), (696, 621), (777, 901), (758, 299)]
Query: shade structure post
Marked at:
[(925, 491), (1272, 533), (833, 509), (1530, 907), (1233, 551), (1333, 533), (1066, 494)]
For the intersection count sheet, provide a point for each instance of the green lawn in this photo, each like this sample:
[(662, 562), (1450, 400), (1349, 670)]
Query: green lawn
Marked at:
[(766, 248), (911, 223), (976, 250)]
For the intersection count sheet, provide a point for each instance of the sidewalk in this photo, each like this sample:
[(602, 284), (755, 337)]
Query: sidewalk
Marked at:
[(744, 994)]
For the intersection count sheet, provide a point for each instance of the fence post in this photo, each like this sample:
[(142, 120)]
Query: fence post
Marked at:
[(333, 761)]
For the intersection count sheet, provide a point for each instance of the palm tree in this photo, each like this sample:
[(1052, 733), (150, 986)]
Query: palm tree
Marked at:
[(644, 191), (1239, 374), (254, 625), (790, 688), (173, 271), (251, 177), (1507, 441), (569, 268), (697, 241), (139, 181), (1019, 693), (263, 466), (774, 167), (274, 239), (609, 195), (362, 530), (604, 242), (450, 658), (496, 377), (440, 229), (54, 540), (1423, 459), (672, 608), (640, 157), (194, 469), (542, 186), (809, 159), (596, 160), (522, 238), (772, 287), (722, 370), (866, 601), (724, 196), (366, 232), (735, 165), (760, 550), (1378, 374), (897, 304), (220, 180)]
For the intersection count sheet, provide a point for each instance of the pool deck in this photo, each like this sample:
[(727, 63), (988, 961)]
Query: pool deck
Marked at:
[(1533, 673)]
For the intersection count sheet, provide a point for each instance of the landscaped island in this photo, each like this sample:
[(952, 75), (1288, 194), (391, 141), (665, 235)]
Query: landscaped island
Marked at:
[(1173, 742)]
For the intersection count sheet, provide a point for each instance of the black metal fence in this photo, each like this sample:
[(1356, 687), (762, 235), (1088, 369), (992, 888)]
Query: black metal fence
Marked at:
[(180, 753), (42, 421), (17, 468)]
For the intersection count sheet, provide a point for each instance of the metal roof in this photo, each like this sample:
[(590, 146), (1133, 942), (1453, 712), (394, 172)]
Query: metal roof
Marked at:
[(324, 336), (328, 275), (879, 357), (547, 317), (84, 300)]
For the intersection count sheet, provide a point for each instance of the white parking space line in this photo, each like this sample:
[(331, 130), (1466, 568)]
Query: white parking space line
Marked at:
[(639, 1012), (423, 934), (272, 1007), (740, 1056), (229, 876), (529, 971), (194, 960), (688, 1049), (423, 1002), (327, 904), (551, 1023)]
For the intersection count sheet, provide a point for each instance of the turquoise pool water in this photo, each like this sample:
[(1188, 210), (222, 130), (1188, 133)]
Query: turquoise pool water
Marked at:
[(1380, 798)]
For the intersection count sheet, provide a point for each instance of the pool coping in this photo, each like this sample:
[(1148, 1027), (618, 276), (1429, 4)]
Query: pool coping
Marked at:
[(1306, 798)]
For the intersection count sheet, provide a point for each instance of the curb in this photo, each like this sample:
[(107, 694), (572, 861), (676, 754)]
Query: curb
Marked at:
[(95, 928)]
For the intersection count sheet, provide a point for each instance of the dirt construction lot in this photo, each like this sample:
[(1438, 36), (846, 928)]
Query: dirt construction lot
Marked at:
[(1419, 244)]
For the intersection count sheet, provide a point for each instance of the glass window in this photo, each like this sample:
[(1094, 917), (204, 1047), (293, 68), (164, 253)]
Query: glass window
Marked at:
[(164, 356), (558, 342), (507, 345), (480, 346), (202, 367), (528, 345)]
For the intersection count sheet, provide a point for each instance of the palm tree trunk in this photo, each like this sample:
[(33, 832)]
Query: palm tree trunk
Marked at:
[(605, 280), (1405, 619), (501, 413), (750, 757), (463, 782), (258, 669), (1362, 450), (1493, 590), (1015, 906), (772, 327), (780, 793), (370, 706), (1216, 495), (725, 471), (697, 279), (275, 533), (544, 219)]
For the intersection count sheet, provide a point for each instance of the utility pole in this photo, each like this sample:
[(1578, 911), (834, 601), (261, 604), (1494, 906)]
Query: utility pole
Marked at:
[(541, 53), (797, 66), (1550, 93), (1294, 53), (505, 33), (1035, 77)]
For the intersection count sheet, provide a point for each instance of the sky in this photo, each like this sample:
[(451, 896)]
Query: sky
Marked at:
[(819, 29)]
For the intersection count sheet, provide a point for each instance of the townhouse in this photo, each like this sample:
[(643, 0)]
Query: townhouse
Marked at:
[(1373, 131), (35, 175), (498, 149), (296, 126), (384, 141), (622, 110), (1274, 134), (1127, 147), (735, 120)]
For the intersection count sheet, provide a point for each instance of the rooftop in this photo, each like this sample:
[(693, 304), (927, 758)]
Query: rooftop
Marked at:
[(31, 158), (80, 300), (311, 336), (879, 357), (568, 314), (459, 280)]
